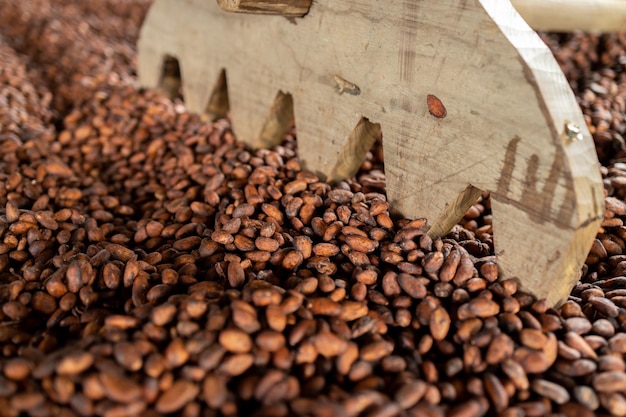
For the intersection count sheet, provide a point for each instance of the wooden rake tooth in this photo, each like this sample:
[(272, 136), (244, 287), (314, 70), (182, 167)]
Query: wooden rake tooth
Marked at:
[(150, 57), (260, 120), (200, 84), (352, 155), (332, 140)]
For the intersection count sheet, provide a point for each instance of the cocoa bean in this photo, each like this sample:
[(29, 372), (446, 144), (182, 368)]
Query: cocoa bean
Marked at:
[(75, 363), (235, 340), (119, 388), (611, 381), (177, 396), (550, 390)]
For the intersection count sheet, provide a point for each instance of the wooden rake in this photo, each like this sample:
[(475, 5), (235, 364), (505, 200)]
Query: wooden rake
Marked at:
[(468, 96)]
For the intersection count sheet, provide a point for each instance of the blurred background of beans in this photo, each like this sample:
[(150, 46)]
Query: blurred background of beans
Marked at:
[(150, 264)]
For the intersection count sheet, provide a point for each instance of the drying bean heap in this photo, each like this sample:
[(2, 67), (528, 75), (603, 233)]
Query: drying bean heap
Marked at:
[(152, 265)]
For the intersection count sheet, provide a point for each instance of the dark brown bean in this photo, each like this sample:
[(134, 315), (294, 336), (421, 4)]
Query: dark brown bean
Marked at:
[(120, 388), (550, 390), (235, 340), (75, 363), (177, 396)]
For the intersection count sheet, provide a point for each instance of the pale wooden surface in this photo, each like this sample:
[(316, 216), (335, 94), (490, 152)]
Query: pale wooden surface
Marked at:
[(288, 8), (507, 103), (569, 15)]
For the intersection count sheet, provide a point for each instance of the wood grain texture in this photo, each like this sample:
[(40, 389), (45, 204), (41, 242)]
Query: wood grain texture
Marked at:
[(287, 8), (506, 100), (570, 15)]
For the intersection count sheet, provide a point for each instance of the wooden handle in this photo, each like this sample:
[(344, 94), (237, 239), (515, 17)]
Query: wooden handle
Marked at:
[(287, 8), (549, 15), (569, 15)]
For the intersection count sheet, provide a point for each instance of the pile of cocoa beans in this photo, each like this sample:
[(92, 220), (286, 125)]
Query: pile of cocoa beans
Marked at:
[(152, 265)]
